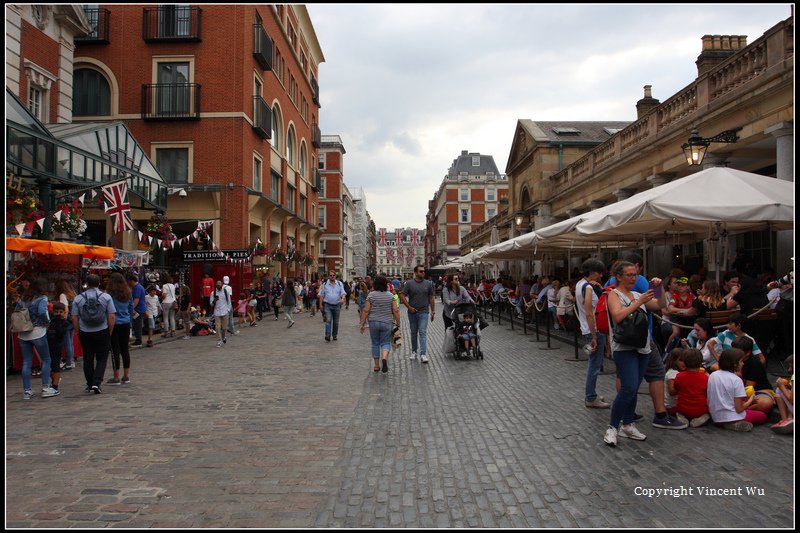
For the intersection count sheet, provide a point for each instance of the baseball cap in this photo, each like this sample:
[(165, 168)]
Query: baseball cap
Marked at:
[(683, 280)]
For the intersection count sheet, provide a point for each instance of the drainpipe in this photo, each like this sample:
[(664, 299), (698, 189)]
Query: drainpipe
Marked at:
[(560, 157)]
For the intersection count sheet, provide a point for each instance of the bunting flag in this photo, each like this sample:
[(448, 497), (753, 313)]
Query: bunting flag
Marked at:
[(57, 215), (140, 235), (94, 193), (20, 228), (81, 197), (41, 223), (115, 197)]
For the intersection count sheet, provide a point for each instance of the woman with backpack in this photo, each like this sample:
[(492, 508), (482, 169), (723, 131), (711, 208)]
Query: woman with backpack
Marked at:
[(586, 293), (93, 315), (34, 299)]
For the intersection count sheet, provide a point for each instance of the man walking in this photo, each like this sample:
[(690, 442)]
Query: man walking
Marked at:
[(139, 307), (418, 296), (331, 298), (586, 299), (93, 316), (222, 306), (231, 323)]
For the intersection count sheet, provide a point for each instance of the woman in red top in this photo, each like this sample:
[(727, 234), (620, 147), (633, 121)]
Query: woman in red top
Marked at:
[(692, 387)]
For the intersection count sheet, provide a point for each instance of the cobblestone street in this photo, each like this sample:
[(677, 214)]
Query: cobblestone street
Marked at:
[(282, 429)]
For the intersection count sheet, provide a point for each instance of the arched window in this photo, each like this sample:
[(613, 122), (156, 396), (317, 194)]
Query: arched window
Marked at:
[(290, 147), (276, 128), (91, 94), (303, 157)]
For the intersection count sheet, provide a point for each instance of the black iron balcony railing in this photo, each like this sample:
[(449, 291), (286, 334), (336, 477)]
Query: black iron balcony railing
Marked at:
[(318, 181), (262, 47), (98, 19), (171, 101), (316, 136), (315, 88), (262, 118), (171, 23)]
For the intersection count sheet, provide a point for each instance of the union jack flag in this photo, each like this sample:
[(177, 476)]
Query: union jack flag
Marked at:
[(115, 200), (414, 237), (383, 236)]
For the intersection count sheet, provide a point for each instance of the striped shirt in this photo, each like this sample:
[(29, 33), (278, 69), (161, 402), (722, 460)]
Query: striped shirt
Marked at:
[(381, 307)]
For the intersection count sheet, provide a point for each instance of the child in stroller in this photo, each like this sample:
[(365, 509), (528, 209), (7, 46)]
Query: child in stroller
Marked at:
[(467, 332)]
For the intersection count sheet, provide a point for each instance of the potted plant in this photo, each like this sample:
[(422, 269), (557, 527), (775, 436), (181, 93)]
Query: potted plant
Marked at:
[(23, 207), (70, 224), (159, 228)]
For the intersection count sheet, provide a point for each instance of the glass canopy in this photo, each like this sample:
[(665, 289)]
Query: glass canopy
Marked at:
[(80, 155)]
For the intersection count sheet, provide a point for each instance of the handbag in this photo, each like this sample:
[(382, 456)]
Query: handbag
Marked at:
[(633, 330), (21, 321)]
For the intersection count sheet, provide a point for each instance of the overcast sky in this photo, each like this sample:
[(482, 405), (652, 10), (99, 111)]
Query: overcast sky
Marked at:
[(407, 87)]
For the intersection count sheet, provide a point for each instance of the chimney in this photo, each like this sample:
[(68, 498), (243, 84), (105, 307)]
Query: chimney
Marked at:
[(716, 49), (647, 103)]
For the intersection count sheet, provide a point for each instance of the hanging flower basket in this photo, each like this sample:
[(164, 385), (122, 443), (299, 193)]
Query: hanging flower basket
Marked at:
[(257, 248), (23, 208), (278, 256), (71, 222), (160, 228)]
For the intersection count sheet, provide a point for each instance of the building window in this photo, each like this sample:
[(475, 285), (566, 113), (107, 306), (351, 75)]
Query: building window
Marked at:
[(91, 94), (276, 128), (321, 219), (275, 187), (321, 164), (302, 211), (321, 193), (35, 102), (463, 234), (476, 160), (490, 195), (303, 157), (465, 215), (290, 191), (173, 164), (278, 64), (464, 197), (174, 92), (490, 212), (290, 147), (256, 174)]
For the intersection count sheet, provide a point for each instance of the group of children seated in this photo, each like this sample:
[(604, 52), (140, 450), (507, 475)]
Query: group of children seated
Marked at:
[(729, 386)]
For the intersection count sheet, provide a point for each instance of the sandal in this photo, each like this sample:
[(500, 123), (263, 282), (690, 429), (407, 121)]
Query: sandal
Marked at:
[(149, 344)]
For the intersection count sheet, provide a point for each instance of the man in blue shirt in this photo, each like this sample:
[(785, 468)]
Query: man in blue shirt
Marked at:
[(331, 298), (655, 373), (139, 307)]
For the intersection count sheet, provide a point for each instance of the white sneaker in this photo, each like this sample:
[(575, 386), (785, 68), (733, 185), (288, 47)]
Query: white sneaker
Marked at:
[(682, 418), (700, 420), (27, 394), (630, 432), (423, 358), (49, 392), (219, 344), (413, 356), (610, 437)]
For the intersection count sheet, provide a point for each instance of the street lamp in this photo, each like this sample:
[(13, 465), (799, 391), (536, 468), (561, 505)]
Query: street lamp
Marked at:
[(695, 148)]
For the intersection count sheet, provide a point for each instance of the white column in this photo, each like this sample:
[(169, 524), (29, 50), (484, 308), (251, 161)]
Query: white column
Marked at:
[(784, 159)]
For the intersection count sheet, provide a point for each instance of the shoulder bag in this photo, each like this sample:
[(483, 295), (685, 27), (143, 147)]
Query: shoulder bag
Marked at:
[(633, 330)]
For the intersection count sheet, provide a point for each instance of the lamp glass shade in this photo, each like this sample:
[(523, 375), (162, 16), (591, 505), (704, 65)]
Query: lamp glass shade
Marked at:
[(695, 153)]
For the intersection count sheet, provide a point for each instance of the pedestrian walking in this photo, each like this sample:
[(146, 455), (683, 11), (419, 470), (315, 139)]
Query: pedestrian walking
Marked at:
[(418, 296), (331, 298), (231, 324), (222, 308), (289, 302), (93, 315), (452, 295), (594, 340), (122, 297), (34, 299), (383, 314), (276, 292), (139, 307)]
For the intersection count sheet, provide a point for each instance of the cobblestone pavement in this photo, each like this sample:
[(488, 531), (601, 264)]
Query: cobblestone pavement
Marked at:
[(282, 429)]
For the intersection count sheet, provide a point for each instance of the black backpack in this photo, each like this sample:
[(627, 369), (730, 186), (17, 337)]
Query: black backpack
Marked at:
[(93, 313)]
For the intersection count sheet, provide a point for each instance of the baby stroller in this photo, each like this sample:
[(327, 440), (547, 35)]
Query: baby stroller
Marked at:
[(458, 320)]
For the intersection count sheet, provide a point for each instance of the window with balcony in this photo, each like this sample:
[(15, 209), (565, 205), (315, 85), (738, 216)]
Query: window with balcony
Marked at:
[(173, 96), (171, 23), (262, 45), (98, 19)]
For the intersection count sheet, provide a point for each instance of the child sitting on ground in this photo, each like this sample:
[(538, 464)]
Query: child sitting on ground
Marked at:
[(55, 341), (674, 365), (725, 339), (692, 388), (727, 401), (469, 332), (755, 375), (785, 401)]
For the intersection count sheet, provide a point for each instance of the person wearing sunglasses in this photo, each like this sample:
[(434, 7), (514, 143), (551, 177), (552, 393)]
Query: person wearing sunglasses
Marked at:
[(331, 298), (418, 295)]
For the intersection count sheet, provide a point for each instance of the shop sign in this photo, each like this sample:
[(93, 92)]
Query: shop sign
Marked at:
[(212, 256)]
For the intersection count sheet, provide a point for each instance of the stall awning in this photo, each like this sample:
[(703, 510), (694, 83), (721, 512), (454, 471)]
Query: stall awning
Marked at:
[(58, 248)]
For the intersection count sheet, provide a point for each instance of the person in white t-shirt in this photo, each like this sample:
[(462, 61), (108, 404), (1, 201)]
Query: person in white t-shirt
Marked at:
[(168, 301), (221, 301), (727, 400), (594, 340)]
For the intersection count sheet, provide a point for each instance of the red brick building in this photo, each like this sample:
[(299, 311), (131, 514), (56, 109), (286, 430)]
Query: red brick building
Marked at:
[(224, 100)]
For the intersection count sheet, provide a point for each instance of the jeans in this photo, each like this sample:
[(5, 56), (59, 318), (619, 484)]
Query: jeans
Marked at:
[(169, 318), (137, 327), (27, 360), (288, 312), (631, 366), (95, 355), (381, 335), (419, 325), (595, 363), (332, 319), (231, 327), (68, 345)]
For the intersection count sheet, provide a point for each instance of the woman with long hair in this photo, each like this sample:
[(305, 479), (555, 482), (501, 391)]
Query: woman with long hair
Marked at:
[(120, 293), (631, 355), (34, 299), (710, 298), (66, 295), (452, 295), (289, 301), (383, 314)]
